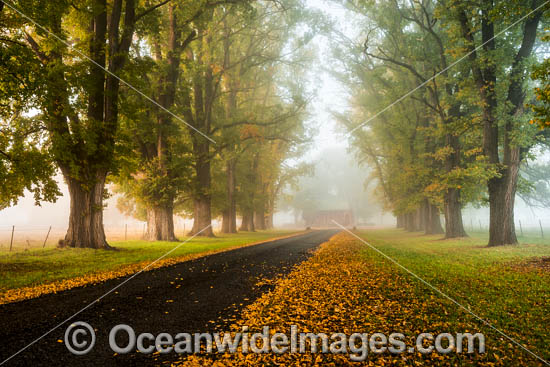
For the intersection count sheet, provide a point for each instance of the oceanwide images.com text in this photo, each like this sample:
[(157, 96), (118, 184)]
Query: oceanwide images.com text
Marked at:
[(80, 339)]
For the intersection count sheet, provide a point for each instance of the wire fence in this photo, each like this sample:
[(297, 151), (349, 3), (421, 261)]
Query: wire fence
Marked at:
[(24, 237), (538, 228)]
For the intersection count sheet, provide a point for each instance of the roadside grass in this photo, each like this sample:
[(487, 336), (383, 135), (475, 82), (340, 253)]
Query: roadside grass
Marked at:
[(348, 288), (496, 283), (41, 266)]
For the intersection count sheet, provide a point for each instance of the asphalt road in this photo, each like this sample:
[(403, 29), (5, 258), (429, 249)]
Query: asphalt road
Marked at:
[(194, 296)]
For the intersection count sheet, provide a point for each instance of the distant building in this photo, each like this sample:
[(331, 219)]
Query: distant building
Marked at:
[(325, 218)]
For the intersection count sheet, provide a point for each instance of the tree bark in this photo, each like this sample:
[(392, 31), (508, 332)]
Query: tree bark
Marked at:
[(453, 208), (225, 221), (269, 221), (247, 205), (244, 222), (502, 193), (259, 212), (259, 219), (399, 221), (160, 224), (411, 221), (453, 215), (416, 220), (202, 218), (433, 220), (229, 219), (86, 214), (421, 215), (247, 223)]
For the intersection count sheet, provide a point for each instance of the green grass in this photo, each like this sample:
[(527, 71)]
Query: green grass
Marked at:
[(492, 282), (41, 266)]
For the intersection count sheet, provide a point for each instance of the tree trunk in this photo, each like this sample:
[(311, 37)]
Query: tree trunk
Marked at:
[(225, 221), (409, 222), (416, 220), (421, 215), (247, 223), (202, 218), (412, 221), (229, 220), (247, 206), (433, 221), (453, 215), (86, 214), (160, 224), (251, 224), (269, 221), (244, 223), (400, 221), (502, 193), (259, 219)]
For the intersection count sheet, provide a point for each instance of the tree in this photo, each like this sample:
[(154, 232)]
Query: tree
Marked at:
[(82, 52), (160, 170), (500, 64)]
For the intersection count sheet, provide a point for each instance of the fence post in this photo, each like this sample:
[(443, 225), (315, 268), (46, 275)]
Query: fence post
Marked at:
[(125, 231), (541, 231), (47, 235), (521, 228), (11, 241)]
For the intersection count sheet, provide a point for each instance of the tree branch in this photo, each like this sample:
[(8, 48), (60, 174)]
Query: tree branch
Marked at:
[(151, 9), (36, 48)]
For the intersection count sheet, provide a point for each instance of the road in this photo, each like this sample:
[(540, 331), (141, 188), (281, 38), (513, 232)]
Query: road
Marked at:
[(193, 296)]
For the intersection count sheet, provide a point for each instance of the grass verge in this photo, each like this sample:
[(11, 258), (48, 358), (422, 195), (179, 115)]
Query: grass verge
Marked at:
[(32, 273)]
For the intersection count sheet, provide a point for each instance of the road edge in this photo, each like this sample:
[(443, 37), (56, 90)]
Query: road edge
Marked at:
[(25, 293)]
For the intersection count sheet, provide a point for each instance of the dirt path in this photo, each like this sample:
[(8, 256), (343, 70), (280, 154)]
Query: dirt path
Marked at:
[(193, 296)]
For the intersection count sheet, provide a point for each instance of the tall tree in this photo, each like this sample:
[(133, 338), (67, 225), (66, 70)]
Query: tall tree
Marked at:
[(159, 172), (506, 143)]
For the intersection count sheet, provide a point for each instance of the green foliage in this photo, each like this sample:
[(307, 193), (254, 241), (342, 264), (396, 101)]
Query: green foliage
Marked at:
[(541, 74), (25, 161)]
